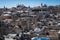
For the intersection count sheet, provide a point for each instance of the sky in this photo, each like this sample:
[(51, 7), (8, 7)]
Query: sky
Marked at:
[(32, 3)]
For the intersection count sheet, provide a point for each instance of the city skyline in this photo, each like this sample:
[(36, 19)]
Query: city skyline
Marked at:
[(32, 3)]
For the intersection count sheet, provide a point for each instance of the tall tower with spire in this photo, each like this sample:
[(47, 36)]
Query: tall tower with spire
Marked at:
[(41, 4), (4, 6)]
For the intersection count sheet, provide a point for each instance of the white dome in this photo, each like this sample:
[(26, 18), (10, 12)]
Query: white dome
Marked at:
[(6, 15)]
